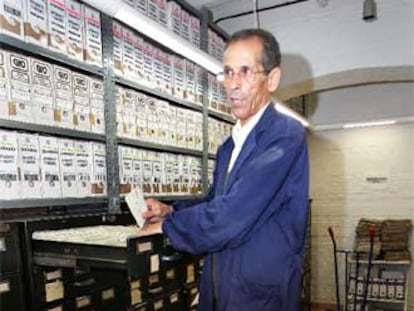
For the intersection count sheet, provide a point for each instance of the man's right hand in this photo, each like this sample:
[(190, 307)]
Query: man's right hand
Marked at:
[(156, 210)]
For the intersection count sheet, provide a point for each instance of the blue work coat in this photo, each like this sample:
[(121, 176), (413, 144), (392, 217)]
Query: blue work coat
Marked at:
[(253, 221)]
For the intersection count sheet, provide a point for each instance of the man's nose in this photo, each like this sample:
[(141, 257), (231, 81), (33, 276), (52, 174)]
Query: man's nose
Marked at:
[(235, 81)]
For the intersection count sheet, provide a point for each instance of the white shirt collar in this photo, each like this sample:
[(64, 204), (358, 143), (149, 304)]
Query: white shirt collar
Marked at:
[(240, 133)]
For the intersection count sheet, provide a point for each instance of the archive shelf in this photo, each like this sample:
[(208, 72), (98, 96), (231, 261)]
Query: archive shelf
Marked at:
[(222, 116), (28, 203), (50, 130), (36, 50), (157, 147), (154, 92)]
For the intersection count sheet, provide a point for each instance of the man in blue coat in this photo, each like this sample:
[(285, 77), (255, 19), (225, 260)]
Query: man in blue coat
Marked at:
[(251, 226)]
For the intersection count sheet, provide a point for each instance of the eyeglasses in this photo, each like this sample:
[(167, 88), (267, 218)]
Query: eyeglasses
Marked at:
[(245, 73)]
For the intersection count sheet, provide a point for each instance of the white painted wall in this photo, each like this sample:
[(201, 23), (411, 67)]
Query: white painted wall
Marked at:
[(340, 160), (318, 41)]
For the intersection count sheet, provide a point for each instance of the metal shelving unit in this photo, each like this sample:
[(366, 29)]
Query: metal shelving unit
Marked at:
[(50, 130), (158, 147), (36, 50), (222, 116), (28, 203)]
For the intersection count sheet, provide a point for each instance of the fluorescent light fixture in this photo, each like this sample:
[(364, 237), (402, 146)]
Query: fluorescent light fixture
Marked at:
[(146, 26), (366, 124), (289, 112)]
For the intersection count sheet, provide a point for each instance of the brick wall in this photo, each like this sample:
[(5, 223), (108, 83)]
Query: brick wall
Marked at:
[(340, 161)]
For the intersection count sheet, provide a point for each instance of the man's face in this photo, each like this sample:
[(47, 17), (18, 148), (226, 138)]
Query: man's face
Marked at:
[(246, 93)]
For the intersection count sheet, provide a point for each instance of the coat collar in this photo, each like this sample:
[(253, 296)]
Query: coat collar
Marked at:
[(249, 144)]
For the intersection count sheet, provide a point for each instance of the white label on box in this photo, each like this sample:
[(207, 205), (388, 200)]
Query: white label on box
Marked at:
[(49, 165), (4, 105), (20, 107), (125, 169), (131, 3), (153, 10), (174, 17), (155, 263), (57, 25), (199, 80), (83, 168), (35, 22), (93, 36), (147, 171), (157, 170), (97, 118), (9, 179), (67, 156), (195, 31), (181, 127), (118, 47), (139, 57), (42, 91), (141, 116), (152, 120), (128, 59), (4, 287), (179, 76), (81, 102), (11, 18), (74, 29), (63, 97), (163, 120), (137, 168), (168, 72), (172, 125), (98, 169), (142, 6), (185, 25), (29, 163), (162, 13)]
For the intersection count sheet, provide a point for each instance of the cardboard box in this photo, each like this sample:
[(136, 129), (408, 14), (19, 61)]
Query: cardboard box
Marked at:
[(168, 181), (81, 107), (29, 166), (152, 9), (162, 13), (74, 29), (19, 86), (200, 84), (83, 154), (119, 91), (128, 114), (92, 36), (174, 17), (172, 125), (168, 73), (131, 3), (128, 56), (63, 97), (67, 157), (163, 120), (152, 120), (158, 67), (126, 173), (35, 22), (141, 116), (196, 184), (99, 180), (142, 6), (118, 44), (185, 171), (11, 18), (139, 57), (190, 129), (57, 25), (157, 172), (177, 159), (42, 91), (212, 92), (97, 116), (148, 51), (9, 175), (179, 76), (137, 167), (210, 171), (49, 166), (4, 105), (185, 25), (190, 81), (147, 171), (181, 128), (198, 139), (195, 31)]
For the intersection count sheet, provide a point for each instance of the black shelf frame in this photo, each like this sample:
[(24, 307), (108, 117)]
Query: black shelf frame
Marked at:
[(156, 93), (50, 130), (52, 202), (157, 147), (37, 50), (221, 116)]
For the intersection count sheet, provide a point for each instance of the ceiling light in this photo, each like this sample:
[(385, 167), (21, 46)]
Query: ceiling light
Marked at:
[(162, 35), (369, 12), (366, 124)]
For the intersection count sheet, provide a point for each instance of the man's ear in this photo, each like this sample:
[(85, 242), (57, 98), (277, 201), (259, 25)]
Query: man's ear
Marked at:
[(273, 79)]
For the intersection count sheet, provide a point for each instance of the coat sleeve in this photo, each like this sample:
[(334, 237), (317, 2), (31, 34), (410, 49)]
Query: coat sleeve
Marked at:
[(228, 220)]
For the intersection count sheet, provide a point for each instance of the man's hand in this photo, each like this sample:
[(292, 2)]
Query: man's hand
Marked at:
[(156, 210), (151, 228)]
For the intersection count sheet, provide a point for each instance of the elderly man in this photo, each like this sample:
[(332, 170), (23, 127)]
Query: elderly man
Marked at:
[(251, 226)]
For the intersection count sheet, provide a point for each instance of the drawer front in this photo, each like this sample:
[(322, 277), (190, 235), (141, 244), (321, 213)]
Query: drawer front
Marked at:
[(10, 254)]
